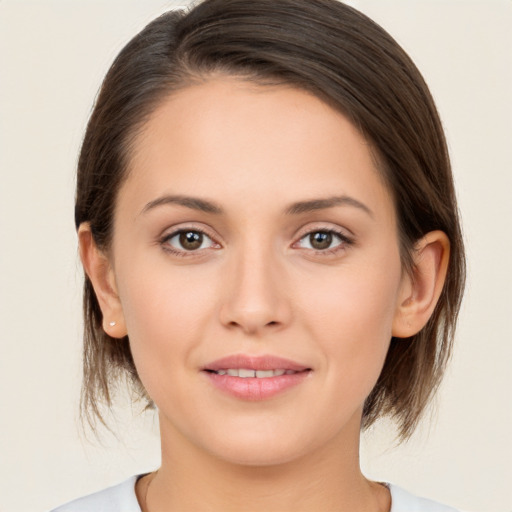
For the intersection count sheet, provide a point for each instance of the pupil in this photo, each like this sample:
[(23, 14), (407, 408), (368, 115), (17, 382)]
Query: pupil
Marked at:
[(191, 240), (321, 240)]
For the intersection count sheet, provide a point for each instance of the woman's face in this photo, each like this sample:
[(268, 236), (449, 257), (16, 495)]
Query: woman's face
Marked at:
[(254, 233)]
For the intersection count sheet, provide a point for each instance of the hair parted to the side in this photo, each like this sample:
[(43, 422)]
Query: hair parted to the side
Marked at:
[(347, 60)]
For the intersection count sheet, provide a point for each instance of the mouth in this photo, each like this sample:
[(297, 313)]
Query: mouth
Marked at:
[(255, 378), (245, 364), (245, 373)]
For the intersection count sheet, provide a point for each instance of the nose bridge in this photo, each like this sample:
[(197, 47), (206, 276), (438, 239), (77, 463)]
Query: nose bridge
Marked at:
[(256, 295)]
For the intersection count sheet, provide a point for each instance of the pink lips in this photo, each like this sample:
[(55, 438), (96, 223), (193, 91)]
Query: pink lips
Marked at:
[(255, 388)]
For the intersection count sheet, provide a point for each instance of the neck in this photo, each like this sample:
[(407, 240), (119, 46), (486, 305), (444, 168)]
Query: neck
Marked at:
[(328, 479)]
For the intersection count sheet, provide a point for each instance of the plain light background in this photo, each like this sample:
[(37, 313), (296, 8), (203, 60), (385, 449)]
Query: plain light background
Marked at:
[(53, 55)]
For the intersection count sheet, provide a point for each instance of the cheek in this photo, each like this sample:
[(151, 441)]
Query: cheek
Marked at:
[(355, 300), (351, 314), (164, 310), (156, 294)]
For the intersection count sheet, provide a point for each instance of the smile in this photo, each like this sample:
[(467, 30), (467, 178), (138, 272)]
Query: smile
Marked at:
[(255, 378), (258, 374)]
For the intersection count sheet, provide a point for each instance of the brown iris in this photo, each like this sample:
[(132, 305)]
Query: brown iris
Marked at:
[(191, 240), (320, 240)]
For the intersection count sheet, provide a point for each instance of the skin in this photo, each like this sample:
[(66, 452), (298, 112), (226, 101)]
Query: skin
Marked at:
[(259, 285)]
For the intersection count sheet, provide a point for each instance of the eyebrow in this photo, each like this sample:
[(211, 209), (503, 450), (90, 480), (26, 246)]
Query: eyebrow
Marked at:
[(195, 203), (321, 204), (207, 206)]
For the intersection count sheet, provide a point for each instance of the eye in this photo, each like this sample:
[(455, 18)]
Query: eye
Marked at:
[(187, 240), (324, 240)]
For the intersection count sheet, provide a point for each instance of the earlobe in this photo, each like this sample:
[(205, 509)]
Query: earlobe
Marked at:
[(421, 290), (98, 268)]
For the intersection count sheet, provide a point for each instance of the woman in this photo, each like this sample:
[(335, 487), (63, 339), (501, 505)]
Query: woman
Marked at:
[(270, 237)]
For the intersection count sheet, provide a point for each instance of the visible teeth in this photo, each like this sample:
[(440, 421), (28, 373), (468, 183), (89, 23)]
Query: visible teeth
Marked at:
[(260, 374), (264, 373)]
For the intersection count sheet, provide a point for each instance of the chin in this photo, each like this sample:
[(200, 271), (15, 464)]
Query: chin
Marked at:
[(260, 456), (257, 448)]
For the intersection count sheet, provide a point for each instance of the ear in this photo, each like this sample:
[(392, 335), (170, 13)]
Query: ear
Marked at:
[(99, 269), (420, 291)]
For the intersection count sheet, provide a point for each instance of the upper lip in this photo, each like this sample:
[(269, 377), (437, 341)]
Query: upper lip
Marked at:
[(265, 362)]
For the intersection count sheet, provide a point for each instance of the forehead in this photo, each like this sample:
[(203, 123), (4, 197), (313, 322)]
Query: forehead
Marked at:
[(250, 142)]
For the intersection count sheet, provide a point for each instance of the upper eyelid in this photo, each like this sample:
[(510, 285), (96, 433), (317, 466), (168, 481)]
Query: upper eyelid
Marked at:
[(164, 240), (344, 239), (300, 234), (334, 231), (337, 231), (169, 233)]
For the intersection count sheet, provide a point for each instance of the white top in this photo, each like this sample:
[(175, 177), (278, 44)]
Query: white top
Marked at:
[(122, 498)]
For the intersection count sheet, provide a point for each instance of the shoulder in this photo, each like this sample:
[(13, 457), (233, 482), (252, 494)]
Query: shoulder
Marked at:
[(119, 498), (403, 501)]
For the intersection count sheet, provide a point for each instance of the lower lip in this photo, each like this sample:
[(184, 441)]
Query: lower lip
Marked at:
[(253, 388)]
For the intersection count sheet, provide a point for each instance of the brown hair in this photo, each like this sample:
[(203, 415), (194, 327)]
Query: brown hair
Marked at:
[(347, 60)]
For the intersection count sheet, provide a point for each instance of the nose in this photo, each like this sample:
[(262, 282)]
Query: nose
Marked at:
[(255, 295)]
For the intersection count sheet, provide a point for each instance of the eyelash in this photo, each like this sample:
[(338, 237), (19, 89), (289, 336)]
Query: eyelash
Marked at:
[(345, 241)]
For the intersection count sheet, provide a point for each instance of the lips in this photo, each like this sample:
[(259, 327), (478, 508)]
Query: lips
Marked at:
[(255, 377), (246, 373), (255, 363)]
